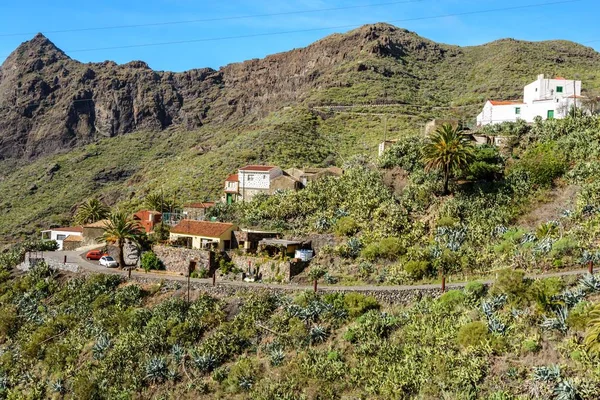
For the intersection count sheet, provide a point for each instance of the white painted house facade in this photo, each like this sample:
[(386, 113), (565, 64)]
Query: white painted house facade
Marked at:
[(251, 180), (60, 234), (545, 98)]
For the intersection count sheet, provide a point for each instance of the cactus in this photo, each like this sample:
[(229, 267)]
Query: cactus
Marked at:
[(546, 374), (277, 356), (101, 346), (204, 362)]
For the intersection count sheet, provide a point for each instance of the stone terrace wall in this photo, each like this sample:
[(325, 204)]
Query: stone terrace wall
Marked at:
[(271, 270), (178, 259)]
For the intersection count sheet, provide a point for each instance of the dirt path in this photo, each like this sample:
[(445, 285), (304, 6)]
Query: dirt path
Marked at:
[(93, 266)]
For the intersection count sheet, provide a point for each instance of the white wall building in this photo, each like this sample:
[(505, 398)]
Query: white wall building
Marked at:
[(60, 234), (251, 180), (546, 98)]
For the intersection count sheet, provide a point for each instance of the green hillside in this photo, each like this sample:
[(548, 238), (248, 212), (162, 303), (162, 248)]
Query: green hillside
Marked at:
[(382, 64)]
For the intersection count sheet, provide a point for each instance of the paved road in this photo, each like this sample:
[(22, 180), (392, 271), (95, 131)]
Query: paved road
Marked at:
[(78, 257)]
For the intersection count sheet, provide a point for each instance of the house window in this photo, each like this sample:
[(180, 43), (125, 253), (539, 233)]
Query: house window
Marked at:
[(61, 237), (559, 89), (518, 110), (250, 177)]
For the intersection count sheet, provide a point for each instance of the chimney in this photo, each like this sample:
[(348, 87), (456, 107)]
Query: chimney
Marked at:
[(540, 77)]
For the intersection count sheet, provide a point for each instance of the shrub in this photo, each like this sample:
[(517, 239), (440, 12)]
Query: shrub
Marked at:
[(357, 304), (447, 222), (151, 262), (531, 345), (452, 298), (417, 270), (475, 290), (371, 252), (564, 247), (473, 334), (389, 248), (9, 322), (543, 292), (543, 163), (510, 282), (486, 165), (346, 226)]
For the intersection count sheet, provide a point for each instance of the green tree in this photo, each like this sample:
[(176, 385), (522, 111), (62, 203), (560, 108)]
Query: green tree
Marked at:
[(316, 273), (448, 150), (91, 211), (119, 229), (160, 202)]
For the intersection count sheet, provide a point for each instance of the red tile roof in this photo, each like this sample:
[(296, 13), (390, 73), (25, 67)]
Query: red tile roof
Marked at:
[(505, 103), (206, 204), (232, 178), (258, 168), (201, 228), (560, 78), (68, 229)]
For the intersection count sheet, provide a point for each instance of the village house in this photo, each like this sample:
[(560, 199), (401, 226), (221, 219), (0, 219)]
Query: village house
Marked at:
[(61, 234), (92, 233), (307, 174), (196, 211), (147, 219), (203, 234), (545, 98), (250, 181), (254, 179), (248, 239)]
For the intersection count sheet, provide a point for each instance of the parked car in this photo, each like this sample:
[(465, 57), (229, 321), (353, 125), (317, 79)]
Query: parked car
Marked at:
[(95, 255), (108, 262)]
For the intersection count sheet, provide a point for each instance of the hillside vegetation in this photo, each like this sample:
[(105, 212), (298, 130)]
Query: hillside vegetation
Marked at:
[(131, 131), (100, 338)]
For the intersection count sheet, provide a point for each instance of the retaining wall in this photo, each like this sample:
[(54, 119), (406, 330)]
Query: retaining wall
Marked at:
[(177, 259)]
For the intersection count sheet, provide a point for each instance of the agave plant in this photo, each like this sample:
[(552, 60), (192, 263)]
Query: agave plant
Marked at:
[(277, 356), (101, 346), (528, 238), (156, 370), (589, 283), (58, 386), (177, 352), (559, 323), (3, 382), (496, 326), (318, 334), (546, 374), (566, 390), (204, 362), (354, 246), (544, 246), (572, 297), (499, 230), (246, 382)]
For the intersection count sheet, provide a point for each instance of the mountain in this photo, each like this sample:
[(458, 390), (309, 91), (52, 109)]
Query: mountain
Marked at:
[(70, 130)]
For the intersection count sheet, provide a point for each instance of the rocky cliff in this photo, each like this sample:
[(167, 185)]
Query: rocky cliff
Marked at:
[(50, 102)]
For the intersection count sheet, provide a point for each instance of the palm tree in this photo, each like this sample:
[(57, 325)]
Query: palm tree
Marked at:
[(91, 211), (448, 150), (592, 336), (315, 274), (119, 229), (158, 202)]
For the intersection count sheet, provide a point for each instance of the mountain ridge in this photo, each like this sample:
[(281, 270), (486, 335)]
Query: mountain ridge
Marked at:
[(51, 102)]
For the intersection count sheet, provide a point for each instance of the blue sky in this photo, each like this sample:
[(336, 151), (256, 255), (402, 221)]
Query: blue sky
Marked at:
[(575, 21)]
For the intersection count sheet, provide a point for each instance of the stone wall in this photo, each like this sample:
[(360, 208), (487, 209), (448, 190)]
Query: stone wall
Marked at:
[(177, 259), (53, 264), (268, 269), (403, 297)]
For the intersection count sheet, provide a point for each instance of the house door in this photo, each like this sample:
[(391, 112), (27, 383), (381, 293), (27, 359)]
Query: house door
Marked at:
[(229, 198), (550, 114)]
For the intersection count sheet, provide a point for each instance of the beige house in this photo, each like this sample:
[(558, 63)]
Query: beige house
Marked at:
[(203, 234)]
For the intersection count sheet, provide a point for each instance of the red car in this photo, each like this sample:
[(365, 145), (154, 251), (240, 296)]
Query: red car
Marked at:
[(95, 255)]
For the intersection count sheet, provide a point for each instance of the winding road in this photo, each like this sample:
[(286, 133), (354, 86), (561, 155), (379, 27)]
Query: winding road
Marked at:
[(78, 257)]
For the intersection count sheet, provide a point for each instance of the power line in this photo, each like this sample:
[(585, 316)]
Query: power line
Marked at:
[(322, 28), (192, 21)]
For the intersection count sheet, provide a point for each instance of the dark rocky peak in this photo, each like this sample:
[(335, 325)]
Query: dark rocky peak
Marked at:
[(34, 55)]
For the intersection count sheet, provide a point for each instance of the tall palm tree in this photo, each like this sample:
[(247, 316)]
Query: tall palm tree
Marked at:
[(91, 211), (160, 202), (448, 150), (119, 229)]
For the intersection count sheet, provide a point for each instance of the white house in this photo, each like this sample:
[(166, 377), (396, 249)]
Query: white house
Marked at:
[(546, 98), (60, 234), (249, 181)]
